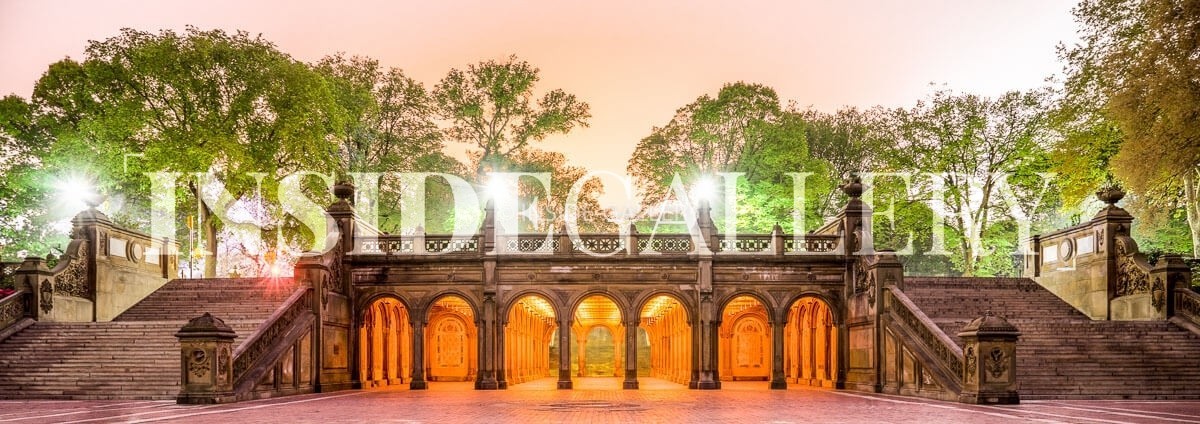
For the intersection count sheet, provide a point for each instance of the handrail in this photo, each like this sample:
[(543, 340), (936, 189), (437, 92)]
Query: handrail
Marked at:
[(14, 308), (1187, 305), (258, 344), (947, 355), (539, 243)]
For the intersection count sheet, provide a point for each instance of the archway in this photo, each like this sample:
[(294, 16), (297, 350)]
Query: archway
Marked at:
[(384, 338), (598, 348), (810, 343), (668, 340), (745, 340), (529, 335), (451, 341)]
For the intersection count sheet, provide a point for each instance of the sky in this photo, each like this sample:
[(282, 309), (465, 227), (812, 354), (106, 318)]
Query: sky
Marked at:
[(634, 62)]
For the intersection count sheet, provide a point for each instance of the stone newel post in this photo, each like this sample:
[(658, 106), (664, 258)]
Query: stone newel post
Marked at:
[(989, 361), (206, 361)]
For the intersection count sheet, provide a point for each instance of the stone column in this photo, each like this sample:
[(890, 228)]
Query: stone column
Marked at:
[(206, 361), (418, 356), (501, 354), (631, 381), (564, 354), (778, 382), (989, 372)]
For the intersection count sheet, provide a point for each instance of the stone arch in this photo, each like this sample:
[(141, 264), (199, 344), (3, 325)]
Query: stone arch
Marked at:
[(811, 341), (527, 338), (823, 297), (614, 297), (451, 339), (471, 301), (669, 350), (593, 357), (506, 307), (384, 341), (645, 297), (764, 300)]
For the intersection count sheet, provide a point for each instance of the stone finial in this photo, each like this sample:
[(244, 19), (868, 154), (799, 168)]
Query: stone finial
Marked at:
[(206, 326), (853, 186), (989, 325), (1110, 194), (344, 190)]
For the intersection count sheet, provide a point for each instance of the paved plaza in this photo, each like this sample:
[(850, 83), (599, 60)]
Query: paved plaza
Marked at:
[(598, 400)]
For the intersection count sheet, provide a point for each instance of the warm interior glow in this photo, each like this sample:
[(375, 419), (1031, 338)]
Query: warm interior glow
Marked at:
[(537, 306), (597, 310), (658, 306)]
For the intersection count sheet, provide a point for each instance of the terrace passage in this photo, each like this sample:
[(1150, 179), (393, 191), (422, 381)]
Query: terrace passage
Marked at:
[(377, 310)]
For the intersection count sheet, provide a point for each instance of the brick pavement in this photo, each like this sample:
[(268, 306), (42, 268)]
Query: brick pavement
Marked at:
[(599, 400)]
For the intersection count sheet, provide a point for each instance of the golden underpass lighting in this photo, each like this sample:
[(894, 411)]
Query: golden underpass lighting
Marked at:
[(597, 310), (537, 306)]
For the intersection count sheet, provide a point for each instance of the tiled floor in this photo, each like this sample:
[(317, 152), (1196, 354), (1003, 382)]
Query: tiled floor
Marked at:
[(598, 400)]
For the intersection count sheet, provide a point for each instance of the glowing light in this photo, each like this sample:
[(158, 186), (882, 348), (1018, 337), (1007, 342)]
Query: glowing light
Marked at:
[(75, 192), (705, 189), (496, 188)]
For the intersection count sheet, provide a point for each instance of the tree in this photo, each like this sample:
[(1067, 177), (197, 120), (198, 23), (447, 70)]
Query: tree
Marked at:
[(1136, 67), (490, 105), (712, 134), (848, 141), (25, 218), (974, 145), (201, 101)]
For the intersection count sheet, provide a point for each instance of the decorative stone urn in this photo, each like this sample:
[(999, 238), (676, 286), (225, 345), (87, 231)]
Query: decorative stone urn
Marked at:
[(206, 361), (989, 372)]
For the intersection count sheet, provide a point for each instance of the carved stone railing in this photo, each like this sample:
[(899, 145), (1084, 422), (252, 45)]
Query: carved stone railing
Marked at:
[(261, 351), (1187, 307), (813, 243), (943, 356), (14, 308)]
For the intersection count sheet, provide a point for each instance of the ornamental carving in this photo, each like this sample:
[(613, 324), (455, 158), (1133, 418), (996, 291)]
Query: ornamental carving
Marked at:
[(198, 363), (925, 335), (270, 335), (996, 363), (1158, 294), (864, 282), (970, 360), (12, 310), (335, 267), (73, 281), (222, 364), (1131, 278), (47, 296)]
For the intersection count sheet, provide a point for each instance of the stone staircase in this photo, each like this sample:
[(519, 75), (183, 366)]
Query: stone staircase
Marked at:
[(137, 355), (1061, 353)]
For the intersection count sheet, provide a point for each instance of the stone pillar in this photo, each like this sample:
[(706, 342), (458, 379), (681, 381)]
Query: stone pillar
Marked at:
[(778, 382), (564, 353), (487, 346), (502, 354), (631, 381), (989, 372), (206, 361), (418, 356), (1169, 273), (33, 275)]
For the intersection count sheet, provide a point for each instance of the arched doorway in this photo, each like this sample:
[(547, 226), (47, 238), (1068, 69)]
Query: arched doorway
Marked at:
[(451, 341), (745, 340), (598, 336), (384, 338), (810, 343), (668, 340), (529, 335)]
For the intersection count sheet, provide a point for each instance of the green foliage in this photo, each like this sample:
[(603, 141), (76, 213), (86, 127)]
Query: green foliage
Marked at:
[(1132, 77), (490, 105)]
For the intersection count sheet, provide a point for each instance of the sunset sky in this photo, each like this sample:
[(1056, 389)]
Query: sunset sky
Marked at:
[(634, 62)]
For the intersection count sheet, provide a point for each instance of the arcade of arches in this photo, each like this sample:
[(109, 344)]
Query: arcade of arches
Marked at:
[(599, 342), (809, 342)]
